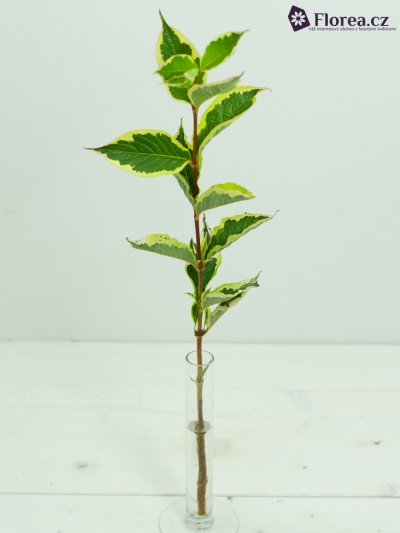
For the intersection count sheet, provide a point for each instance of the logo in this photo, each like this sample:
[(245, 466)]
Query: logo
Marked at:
[(324, 22), (298, 18)]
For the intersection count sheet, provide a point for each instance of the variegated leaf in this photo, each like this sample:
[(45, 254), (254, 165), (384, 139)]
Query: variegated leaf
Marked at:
[(198, 94), (231, 229), (220, 50), (206, 233), (146, 153), (222, 308), (172, 42), (221, 194), (193, 247), (206, 315), (181, 93), (165, 245), (209, 271), (193, 274), (181, 137), (185, 177), (223, 111), (180, 70), (205, 237), (194, 312), (186, 180), (228, 290)]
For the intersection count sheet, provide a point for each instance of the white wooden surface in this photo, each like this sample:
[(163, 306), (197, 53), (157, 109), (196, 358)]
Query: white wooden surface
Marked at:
[(307, 438)]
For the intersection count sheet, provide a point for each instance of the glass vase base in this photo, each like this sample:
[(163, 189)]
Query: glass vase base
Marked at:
[(173, 519)]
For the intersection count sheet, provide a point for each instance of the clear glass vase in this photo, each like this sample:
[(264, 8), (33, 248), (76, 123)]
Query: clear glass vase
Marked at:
[(199, 440), (199, 511)]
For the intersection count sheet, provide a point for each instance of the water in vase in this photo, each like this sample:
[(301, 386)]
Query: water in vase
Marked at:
[(199, 472)]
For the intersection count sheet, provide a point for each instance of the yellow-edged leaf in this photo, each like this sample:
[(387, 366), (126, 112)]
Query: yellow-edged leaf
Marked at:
[(165, 245), (221, 194), (223, 111), (146, 153)]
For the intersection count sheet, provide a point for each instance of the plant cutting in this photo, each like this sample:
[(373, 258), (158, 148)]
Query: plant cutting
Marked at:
[(152, 153)]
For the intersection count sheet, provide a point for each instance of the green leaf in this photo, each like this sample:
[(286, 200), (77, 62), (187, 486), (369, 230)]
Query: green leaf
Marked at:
[(194, 312), (228, 290), (231, 229), (205, 237), (209, 271), (165, 245), (181, 137), (193, 247), (223, 111), (185, 179), (172, 42), (146, 153), (198, 94), (219, 50), (185, 81), (201, 380), (221, 194), (180, 70), (202, 77), (179, 93), (206, 230), (223, 307), (192, 273)]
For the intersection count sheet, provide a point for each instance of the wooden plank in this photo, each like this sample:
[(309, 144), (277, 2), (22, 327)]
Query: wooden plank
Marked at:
[(107, 514), (238, 366), (131, 441)]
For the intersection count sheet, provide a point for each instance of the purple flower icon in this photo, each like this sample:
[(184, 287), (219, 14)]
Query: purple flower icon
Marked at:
[(298, 18)]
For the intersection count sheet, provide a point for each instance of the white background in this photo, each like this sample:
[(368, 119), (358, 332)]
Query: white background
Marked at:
[(322, 147)]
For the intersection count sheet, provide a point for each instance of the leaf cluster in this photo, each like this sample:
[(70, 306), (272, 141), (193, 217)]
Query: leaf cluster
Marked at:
[(152, 153)]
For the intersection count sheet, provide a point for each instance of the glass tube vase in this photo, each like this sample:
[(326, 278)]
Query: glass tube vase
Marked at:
[(199, 510)]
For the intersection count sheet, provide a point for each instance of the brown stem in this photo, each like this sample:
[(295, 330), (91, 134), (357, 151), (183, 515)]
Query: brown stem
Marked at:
[(200, 434)]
